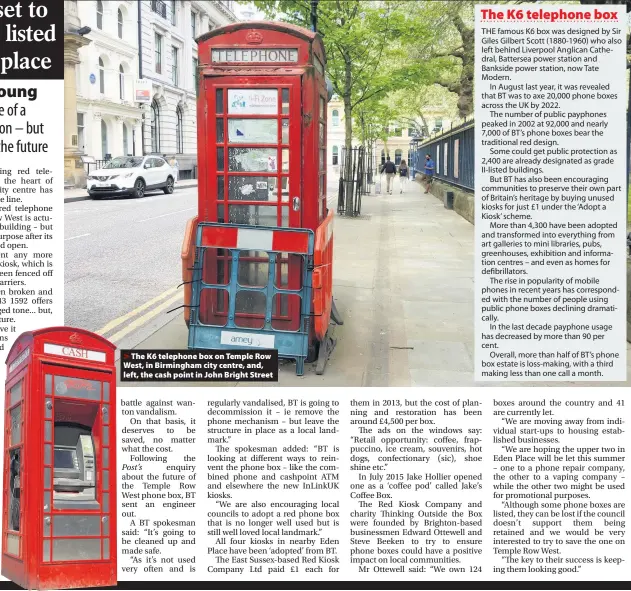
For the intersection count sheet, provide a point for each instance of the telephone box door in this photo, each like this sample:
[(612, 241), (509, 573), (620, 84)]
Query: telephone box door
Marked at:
[(78, 470), (253, 147)]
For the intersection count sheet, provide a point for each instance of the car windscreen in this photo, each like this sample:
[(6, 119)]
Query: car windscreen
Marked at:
[(124, 163)]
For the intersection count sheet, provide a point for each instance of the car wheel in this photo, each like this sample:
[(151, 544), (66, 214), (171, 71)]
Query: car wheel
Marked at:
[(139, 188), (169, 187)]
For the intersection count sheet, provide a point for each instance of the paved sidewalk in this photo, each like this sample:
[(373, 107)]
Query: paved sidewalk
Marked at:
[(72, 195), (403, 283)]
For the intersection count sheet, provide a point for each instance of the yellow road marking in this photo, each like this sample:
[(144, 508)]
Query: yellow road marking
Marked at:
[(144, 318), (118, 321)]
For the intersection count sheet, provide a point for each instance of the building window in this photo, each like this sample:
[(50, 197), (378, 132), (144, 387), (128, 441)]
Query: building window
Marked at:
[(101, 76), (173, 13), (99, 14), (193, 24), (120, 23), (335, 115), (103, 138), (158, 43), (80, 132), (155, 127), (196, 75), (411, 131), (396, 131), (159, 7), (398, 154), (383, 156), (438, 124), (125, 141), (175, 58), (179, 130), (121, 82), (335, 155)]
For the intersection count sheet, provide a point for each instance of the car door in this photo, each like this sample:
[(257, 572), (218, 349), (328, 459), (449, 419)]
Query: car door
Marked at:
[(162, 171), (150, 172)]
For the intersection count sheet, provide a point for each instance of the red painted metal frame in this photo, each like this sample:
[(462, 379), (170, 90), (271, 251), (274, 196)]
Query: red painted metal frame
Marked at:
[(29, 569), (308, 120)]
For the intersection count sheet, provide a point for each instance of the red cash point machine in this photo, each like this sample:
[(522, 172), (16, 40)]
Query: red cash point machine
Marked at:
[(59, 496), (262, 116)]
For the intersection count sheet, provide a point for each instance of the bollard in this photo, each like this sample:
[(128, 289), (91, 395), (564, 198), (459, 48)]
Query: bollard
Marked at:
[(449, 200)]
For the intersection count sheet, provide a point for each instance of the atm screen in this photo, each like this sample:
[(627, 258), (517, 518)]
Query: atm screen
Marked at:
[(65, 458)]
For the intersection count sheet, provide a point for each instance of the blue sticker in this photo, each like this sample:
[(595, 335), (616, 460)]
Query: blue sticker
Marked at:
[(92, 79), (240, 133)]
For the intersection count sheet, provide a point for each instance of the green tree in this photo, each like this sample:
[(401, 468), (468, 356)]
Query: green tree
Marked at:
[(367, 45)]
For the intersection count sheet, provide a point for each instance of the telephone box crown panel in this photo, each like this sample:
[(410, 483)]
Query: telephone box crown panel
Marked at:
[(59, 478)]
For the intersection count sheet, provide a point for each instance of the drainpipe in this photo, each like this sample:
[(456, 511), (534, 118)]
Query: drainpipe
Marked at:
[(142, 132)]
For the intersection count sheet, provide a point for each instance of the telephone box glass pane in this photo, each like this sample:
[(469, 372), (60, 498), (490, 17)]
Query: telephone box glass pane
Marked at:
[(284, 217), (254, 270), (106, 548), (220, 188), (106, 480), (13, 544), (47, 501), (253, 131), (46, 526), (220, 161), (252, 159), (285, 92), (322, 159), (322, 134), (81, 549), (48, 454), (284, 188), (321, 108), (106, 435), (285, 132), (251, 188), (15, 488), (47, 480), (219, 101), (76, 525), (16, 425), (285, 159), (106, 414), (253, 215), (16, 393), (106, 502), (220, 131), (106, 391), (46, 551), (77, 388), (48, 385), (252, 101), (106, 457), (250, 302), (106, 527)]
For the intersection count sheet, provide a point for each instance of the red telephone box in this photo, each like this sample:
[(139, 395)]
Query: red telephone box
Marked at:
[(262, 119), (59, 496)]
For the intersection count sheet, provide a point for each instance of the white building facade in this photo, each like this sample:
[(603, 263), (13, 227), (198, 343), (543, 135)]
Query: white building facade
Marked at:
[(109, 122), (169, 59)]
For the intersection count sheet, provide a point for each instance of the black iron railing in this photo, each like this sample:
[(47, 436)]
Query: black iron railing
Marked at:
[(159, 7), (453, 153), (92, 166), (352, 181)]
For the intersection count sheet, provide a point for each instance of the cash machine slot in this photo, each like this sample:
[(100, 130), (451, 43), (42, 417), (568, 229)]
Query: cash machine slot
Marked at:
[(74, 458)]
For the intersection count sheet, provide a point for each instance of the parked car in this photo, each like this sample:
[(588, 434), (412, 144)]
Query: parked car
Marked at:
[(131, 175)]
